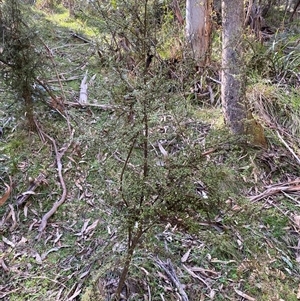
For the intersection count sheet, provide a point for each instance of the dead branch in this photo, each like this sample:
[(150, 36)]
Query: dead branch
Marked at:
[(55, 206), (291, 186), (168, 268), (41, 179)]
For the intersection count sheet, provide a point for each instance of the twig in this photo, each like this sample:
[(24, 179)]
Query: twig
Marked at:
[(288, 147), (77, 36), (169, 270), (58, 155)]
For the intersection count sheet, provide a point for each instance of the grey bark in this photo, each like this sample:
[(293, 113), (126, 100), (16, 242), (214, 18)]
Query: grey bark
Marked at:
[(233, 79)]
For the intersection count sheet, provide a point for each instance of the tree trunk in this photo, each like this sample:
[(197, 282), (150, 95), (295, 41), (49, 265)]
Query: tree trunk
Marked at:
[(296, 5), (233, 88), (27, 96), (199, 29), (71, 9), (233, 73)]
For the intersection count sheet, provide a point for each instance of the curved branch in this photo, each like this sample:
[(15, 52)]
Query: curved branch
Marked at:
[(55, 206)]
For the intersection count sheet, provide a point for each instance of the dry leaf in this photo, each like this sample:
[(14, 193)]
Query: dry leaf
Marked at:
[(83, 275), (83, 228), (13, 217), (161, 275), (38, 258), (76, 293), (29, 192), (212, 294), (4, 266), (26, 210), (145, 271), (162, 150), (195, 275), (297, 252), (8, 242), (215, 260), (245, 296), (205, 272), (92, 226), (22, 241), (6, 195), (297, 220), (77, 183), (186, 256)]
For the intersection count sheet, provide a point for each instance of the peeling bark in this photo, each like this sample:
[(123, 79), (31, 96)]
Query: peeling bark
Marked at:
[(199, 29)]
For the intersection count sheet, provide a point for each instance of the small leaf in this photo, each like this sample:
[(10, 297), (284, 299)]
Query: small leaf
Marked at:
[(185, 256), (38, 258)]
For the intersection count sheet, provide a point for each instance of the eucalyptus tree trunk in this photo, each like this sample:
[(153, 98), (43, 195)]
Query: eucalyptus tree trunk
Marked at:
[(71, 8), (233, 73), (199, 29)]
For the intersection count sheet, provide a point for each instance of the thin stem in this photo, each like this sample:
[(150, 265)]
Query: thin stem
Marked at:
[(129, 256), (124, 168)]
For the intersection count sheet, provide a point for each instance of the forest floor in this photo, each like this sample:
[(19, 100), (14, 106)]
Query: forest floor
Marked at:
[(248, 249)]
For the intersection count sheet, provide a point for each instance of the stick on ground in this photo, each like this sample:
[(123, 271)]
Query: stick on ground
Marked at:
[(58, 155)]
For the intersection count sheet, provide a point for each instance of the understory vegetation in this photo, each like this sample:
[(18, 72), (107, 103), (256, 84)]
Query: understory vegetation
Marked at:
[(127, 185)]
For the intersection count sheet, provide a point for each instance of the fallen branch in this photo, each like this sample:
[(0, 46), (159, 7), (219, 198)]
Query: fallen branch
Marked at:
[(168, 268), (55, 206), (291, 186)]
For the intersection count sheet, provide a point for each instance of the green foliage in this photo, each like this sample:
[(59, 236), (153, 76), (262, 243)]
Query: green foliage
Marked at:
[(276, 223), (21, 55), (278, 59), (153, 169)]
